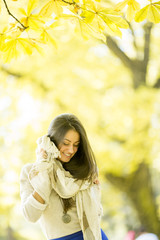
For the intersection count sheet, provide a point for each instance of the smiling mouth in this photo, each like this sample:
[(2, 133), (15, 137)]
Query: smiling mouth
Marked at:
[(67, 155)]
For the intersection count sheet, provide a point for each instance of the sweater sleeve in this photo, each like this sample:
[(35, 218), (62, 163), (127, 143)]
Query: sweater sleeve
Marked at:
[(31, 208)]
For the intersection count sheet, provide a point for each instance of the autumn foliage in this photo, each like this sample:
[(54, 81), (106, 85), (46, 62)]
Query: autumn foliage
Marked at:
[(30, 28)]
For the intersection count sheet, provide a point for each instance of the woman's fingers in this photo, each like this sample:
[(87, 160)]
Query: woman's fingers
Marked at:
[(43, 153)]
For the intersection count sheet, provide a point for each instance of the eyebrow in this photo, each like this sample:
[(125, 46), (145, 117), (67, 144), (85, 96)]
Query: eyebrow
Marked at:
[(69, 140)]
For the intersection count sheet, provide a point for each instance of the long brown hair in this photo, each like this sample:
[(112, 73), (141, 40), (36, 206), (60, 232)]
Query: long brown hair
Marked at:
[(83, 164)]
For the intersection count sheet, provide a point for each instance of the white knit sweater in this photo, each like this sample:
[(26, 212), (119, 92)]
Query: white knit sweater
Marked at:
[(49, 215)]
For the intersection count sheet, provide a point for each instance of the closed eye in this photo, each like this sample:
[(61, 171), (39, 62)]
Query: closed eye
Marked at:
[(66, 144), (76, 145)]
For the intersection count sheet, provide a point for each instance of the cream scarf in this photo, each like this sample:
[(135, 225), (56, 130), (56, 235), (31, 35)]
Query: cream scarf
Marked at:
[(89, 208)]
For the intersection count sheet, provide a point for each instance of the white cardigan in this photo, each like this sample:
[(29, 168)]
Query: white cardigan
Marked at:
[(49, 215)]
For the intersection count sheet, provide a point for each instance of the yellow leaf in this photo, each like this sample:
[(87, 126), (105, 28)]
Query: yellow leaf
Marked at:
[(54, 24), (22, 11), (119, 6), (31, 5), (24, 45), (47, 9), (76, 9), (119, 21), (97, 25), (110, 12), (153, 14), (122, 23), (51, 7), (35, 22), (157, 3), (43, 37), (89, 30), (88, 16), (141, 14), (35, 45), (90, 4), (76, 1), (15, 32), (46, 38), (113, 29), (157, 6), (10, 50), (2, 40), (24, 21), (130, 13), (58, 9), (135, 5), (82, 29)]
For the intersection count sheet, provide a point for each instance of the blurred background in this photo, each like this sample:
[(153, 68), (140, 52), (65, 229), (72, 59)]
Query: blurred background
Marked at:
[(113, 87)]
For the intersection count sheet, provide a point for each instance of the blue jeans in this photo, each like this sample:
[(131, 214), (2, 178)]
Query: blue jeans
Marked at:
[(78, 236)]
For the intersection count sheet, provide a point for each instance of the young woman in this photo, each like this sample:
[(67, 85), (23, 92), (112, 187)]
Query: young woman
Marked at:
[(61, 189)]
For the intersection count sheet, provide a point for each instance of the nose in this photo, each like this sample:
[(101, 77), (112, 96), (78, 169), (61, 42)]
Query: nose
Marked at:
[(71, 150)]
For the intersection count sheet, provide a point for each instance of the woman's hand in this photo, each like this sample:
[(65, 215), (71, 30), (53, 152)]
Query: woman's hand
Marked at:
[(38, 197), (43, 153), (96, 181)]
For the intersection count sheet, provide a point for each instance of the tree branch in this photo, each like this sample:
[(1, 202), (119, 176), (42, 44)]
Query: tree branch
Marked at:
[(70, 3), (147, 29), (117, 181), (157, 84), (134, 37), (5, 3), (34, 81), (118, 52), (17, 75)]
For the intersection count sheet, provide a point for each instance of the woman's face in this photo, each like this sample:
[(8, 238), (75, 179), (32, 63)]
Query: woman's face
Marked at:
[(69, 145)]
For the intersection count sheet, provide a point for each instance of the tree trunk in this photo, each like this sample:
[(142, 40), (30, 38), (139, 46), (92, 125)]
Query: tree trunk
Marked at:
[(139, 65), (10, 235), (138, 188)]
